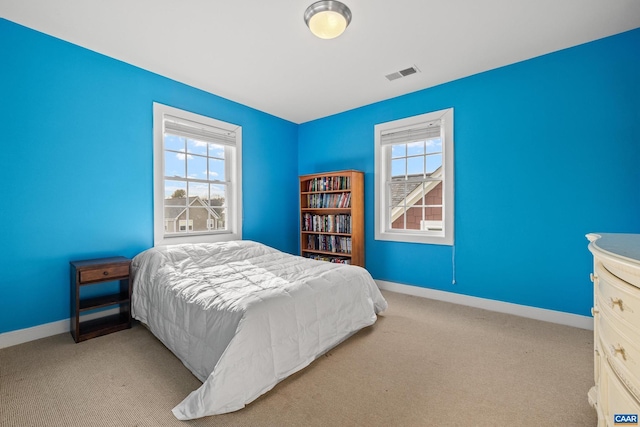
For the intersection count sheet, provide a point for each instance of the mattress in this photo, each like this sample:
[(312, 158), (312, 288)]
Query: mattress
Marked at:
[(242, 316)]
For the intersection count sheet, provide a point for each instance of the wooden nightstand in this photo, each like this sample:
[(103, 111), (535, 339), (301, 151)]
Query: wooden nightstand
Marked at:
[(90, 272)]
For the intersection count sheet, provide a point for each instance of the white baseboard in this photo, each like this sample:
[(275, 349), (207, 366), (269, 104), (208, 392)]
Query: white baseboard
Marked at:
[(21, 336), (575, 320)]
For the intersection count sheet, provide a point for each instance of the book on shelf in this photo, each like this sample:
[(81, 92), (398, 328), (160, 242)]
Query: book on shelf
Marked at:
[(321, 257), (329, 200), (340, 223), (329, 243), (329, 183)]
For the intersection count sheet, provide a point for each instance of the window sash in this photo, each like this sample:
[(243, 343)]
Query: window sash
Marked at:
[(416, 198), (189, 203)]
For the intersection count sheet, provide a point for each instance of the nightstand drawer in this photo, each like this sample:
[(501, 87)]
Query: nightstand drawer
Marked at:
[(113, 272)]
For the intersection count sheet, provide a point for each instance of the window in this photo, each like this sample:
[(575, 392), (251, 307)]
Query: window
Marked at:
[(414, 179), (197, 177), (183, 225)]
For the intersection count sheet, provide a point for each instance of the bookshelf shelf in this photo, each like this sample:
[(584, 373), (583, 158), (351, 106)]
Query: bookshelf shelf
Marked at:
[(327, 210), (326, 232), (318, 192), (332, 216), (336, 254)]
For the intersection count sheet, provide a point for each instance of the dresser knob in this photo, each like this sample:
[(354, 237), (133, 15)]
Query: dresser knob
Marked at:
[(593, 277), (619, 350), (105, 273), (594, 311), (618, 302)]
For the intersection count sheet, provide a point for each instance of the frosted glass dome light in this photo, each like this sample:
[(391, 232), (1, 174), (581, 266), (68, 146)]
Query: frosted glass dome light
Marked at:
[(327, 19)]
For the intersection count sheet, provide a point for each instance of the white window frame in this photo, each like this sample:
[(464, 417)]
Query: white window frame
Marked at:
[(382, 155), (233, 166)]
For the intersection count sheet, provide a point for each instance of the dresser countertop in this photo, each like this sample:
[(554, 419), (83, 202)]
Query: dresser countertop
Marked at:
[(617, 244)]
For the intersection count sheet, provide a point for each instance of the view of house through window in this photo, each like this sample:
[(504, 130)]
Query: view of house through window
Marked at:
[(195, 189), (415, 187)]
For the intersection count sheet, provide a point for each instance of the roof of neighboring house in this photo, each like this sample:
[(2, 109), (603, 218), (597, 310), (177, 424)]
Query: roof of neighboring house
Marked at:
[(174, 207), (401, 192), (411, 192)]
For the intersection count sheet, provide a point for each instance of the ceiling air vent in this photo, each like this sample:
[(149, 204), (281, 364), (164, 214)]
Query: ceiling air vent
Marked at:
[(402, 73)]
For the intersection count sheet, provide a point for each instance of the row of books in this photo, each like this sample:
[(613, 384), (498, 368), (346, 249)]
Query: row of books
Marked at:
[(327, 223), (328, 183), (328, 243), (324, 200), (337, 260)]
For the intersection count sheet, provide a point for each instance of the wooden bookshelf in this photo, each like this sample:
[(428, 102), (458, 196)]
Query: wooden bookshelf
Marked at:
[(332, 217)]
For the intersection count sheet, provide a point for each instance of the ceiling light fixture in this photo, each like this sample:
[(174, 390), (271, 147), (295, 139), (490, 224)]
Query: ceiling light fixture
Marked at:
[(327, 19)]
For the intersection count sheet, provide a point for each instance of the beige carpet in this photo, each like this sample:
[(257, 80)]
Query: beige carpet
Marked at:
[(424, 363)]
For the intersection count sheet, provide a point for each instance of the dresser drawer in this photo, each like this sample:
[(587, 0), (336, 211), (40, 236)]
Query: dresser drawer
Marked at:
[(616, 399), (619, 349), (621, 297), (112, 272), (623, 271)]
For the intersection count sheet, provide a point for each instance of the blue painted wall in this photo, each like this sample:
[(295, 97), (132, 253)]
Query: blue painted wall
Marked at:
[(76, 167), (546, 151)]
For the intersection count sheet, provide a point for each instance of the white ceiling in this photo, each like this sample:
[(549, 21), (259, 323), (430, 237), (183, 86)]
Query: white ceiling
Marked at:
[(261, 54)]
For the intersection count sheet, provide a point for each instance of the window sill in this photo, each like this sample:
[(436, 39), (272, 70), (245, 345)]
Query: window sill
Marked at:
[(198, 238), (408, 237)]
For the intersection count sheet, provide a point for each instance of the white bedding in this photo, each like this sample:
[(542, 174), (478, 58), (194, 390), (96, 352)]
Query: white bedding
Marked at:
[(243, 316)]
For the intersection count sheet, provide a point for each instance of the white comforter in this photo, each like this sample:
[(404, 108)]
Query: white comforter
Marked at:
[(243, 316)]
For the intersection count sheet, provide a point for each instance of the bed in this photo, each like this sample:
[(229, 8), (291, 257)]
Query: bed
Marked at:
[(242, 316)]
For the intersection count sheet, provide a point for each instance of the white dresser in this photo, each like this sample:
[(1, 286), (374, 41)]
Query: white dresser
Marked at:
[(616, 318)]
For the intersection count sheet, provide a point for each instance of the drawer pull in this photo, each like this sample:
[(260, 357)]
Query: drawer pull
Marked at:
[(593, 277), (618, 302), (105, 273), (619, 350), (594, 311)]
